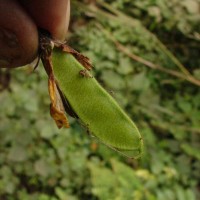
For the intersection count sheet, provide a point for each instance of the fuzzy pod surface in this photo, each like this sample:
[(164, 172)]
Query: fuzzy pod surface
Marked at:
[(100, 113)]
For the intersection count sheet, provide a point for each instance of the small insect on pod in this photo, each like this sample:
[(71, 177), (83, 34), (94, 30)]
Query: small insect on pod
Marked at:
[(85, 73)]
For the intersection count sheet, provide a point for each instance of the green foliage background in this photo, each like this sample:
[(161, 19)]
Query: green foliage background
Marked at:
[(38, 161)]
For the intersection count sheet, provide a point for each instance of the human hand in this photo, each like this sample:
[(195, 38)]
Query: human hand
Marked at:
[(19, 23)]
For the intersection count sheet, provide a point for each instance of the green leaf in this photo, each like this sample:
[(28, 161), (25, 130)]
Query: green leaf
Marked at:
[(103, 186), (17, 154), (42, 167), (192, 6), (192, 151), (113, 80)]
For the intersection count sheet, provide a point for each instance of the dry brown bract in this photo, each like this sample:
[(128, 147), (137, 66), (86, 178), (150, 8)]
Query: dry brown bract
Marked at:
[(58, 106)]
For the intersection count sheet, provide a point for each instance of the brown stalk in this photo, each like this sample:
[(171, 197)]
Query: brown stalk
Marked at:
[(149, 64)]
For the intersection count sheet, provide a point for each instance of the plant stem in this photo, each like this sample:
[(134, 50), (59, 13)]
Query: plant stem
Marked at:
[(133, 22), (149, 64), (119, 16)]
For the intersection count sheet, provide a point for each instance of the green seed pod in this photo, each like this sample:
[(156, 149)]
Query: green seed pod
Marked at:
[(95, 107)]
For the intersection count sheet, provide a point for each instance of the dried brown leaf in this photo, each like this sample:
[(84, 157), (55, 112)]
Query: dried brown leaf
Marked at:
[(57, 109)]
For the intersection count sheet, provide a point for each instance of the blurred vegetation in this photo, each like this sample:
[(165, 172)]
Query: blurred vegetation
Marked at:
[(146, 53)]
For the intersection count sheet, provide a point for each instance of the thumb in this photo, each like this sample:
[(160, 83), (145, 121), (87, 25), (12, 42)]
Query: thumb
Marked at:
[(18, 35)]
